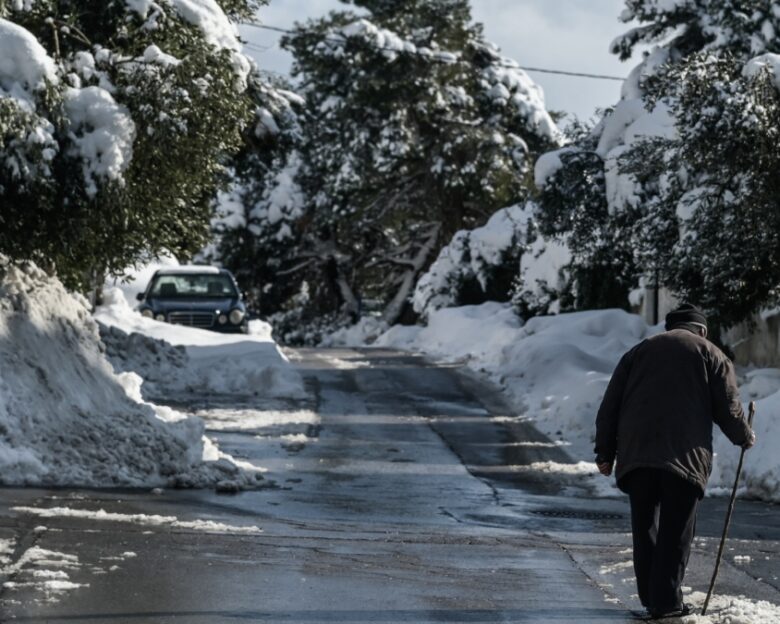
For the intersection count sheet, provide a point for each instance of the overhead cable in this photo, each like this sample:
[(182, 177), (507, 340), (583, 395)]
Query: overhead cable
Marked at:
[(560, 72)]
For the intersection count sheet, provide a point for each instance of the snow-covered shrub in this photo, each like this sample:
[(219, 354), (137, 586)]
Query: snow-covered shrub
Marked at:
[(543, 284), (67, 419), (114, 131), (478, 264), (506, 259), (574, 206)]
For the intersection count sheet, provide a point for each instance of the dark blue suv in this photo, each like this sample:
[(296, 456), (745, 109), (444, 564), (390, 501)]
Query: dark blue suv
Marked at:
[(197, 296)]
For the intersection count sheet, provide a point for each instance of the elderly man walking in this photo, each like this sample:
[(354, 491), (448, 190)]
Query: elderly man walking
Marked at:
[(656, 421)]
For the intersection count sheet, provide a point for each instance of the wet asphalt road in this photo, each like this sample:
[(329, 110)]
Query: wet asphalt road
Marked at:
[(406, 502)]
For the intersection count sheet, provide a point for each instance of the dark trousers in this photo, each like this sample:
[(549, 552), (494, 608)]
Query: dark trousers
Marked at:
[(663, 523)]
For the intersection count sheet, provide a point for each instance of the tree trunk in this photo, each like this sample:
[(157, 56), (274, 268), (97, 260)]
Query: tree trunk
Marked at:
[(394, 309), (351, 303)]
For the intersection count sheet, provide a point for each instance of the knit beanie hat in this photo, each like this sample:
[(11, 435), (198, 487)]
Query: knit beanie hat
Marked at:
[(686, 314)]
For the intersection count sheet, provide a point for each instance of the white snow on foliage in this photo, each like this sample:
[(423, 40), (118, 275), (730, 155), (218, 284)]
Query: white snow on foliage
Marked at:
[(766, 61), (209, 18), (24, 64), (381, 38), (25, 70), (212, 21), (102, 132), (507, 83), (282, 202), (555, 370), (66, 417), (628, 123)]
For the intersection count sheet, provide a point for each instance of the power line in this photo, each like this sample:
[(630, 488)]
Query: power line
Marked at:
[(542, 70)]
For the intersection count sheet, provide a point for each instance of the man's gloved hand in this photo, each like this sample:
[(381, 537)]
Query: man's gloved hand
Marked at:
[(751, 441), (604, 466)]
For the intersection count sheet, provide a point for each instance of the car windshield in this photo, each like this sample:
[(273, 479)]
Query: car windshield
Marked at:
[(193, 285)]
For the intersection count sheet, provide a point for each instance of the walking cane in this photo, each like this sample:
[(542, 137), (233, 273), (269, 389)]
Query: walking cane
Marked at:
[(751, 414)]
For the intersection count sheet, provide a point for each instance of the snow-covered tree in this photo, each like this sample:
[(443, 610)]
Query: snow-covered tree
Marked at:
[(416, 128), (253, 226), (741, 28), (715, 225), (116, 118), (615, 190)]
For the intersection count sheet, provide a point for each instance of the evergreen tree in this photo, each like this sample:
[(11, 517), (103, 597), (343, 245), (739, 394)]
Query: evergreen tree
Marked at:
[(742, 28), (615, 190), (720, 191), (416, 127), (134, 108)]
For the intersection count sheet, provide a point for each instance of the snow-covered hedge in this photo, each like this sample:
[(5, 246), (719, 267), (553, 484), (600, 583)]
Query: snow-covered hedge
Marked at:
[(504, 258), (67, 419)]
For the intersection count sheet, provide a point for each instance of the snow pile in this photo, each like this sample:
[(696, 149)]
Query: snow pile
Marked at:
[(156, 361), (761, 470), (555, 370), (732, 610), (207, 363), (67, 419)]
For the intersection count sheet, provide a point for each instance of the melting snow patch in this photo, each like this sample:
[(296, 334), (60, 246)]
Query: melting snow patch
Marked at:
[(251, 419), (43, 570), (207, 526), (733, 610)]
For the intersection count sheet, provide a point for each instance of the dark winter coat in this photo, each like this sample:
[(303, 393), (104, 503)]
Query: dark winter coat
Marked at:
[(661, 402)]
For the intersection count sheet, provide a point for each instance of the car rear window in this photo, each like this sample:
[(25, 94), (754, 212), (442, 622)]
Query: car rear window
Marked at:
[(193, 285)]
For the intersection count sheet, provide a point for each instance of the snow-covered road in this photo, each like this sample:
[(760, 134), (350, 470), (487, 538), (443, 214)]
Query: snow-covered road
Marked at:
[(405, 492)]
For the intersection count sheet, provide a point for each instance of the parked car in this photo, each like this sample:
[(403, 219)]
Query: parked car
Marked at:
[(197, 296)]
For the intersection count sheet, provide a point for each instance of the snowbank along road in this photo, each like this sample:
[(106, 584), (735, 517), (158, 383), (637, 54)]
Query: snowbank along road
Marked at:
[(404, 492)]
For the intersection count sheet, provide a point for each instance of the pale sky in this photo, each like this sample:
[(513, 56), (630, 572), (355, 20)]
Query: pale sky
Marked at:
[(572, 35)]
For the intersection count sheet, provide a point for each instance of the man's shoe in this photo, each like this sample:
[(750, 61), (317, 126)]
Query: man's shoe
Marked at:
[(686, 609), (640, 614)]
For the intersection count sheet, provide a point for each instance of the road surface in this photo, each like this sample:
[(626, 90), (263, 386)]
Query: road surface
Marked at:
[(401, 491)]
